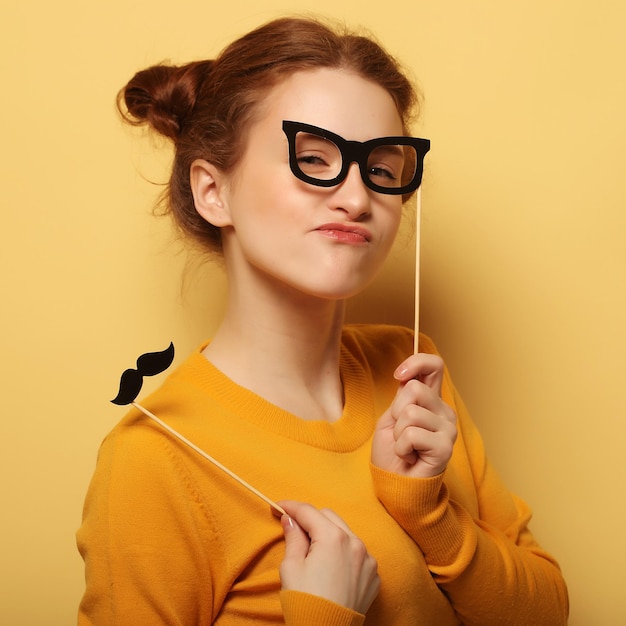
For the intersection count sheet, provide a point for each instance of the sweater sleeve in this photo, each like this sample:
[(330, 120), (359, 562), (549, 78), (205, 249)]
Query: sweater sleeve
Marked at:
[(304, 609), (489, 565), (137, 570)]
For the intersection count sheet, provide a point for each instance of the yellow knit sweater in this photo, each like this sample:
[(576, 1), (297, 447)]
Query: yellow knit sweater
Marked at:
[(168, 538)]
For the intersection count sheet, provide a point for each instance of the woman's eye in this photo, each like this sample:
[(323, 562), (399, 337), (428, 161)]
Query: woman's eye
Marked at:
[(382, 172), (385, 164), (318, 164), (311, 159)]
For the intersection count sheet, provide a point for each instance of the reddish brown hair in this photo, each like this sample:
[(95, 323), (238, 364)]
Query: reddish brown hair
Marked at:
[(205, 107)]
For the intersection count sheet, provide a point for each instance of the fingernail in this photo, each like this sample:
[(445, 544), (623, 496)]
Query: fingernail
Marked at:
[(401, 372), (287, 520)]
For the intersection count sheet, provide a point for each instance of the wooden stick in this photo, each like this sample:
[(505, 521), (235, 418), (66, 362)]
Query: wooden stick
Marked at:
[(201, 452), (418, 222)]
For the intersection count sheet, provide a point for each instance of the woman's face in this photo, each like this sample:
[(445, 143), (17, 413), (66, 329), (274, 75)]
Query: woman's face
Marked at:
[(327, 242)]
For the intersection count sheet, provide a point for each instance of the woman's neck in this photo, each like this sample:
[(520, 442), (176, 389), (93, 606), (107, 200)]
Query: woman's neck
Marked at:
[(285, 349)]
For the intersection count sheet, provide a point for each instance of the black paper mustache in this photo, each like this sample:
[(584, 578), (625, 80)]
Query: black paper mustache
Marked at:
[(148, 364)]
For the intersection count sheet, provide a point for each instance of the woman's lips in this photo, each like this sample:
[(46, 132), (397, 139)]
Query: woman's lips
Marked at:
[(345, 233)]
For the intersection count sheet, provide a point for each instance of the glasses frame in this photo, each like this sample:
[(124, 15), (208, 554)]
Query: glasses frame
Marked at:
[(355, 152)]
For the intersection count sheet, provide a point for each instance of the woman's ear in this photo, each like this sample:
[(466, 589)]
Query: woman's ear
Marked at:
[(208, 186)]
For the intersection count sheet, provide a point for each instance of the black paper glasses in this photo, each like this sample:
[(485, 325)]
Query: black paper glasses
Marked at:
[(389, 165)]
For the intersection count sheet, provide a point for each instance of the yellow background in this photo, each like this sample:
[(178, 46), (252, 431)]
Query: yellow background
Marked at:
[(523, 257)]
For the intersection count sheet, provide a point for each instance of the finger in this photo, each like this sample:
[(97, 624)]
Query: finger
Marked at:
[(433, 449), (296, 540), (299, 511), (311, 520), (416, 441), (427, 368), (319, 524), (415, 392), (414, 416)]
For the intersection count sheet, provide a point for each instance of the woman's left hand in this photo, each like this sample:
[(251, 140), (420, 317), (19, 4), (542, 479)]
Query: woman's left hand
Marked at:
[(416, 434)]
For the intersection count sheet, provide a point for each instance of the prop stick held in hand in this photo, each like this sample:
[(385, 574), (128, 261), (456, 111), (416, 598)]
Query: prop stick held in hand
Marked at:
[(130, 385), (202, 453), (418, 222)]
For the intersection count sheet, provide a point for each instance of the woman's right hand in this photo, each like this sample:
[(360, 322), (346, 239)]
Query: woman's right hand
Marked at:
[(325, 558)]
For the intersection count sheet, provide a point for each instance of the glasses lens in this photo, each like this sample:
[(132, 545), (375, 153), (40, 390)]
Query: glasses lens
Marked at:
[(317, 157), (391, 165)]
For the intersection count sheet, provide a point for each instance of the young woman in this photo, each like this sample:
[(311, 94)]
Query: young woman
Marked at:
[(293, 161)]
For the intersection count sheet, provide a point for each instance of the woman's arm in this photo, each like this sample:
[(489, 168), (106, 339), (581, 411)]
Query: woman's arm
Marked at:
[(489, 565), (144, 537)]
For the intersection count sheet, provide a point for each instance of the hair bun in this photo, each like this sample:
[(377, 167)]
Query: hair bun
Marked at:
[(163, 96)]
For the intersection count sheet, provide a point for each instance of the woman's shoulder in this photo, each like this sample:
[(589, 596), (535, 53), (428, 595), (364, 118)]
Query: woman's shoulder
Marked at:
[(380, 348), (385, 337)]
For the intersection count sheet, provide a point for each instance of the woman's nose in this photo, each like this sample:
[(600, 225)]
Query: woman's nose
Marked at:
[(351, 195)]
